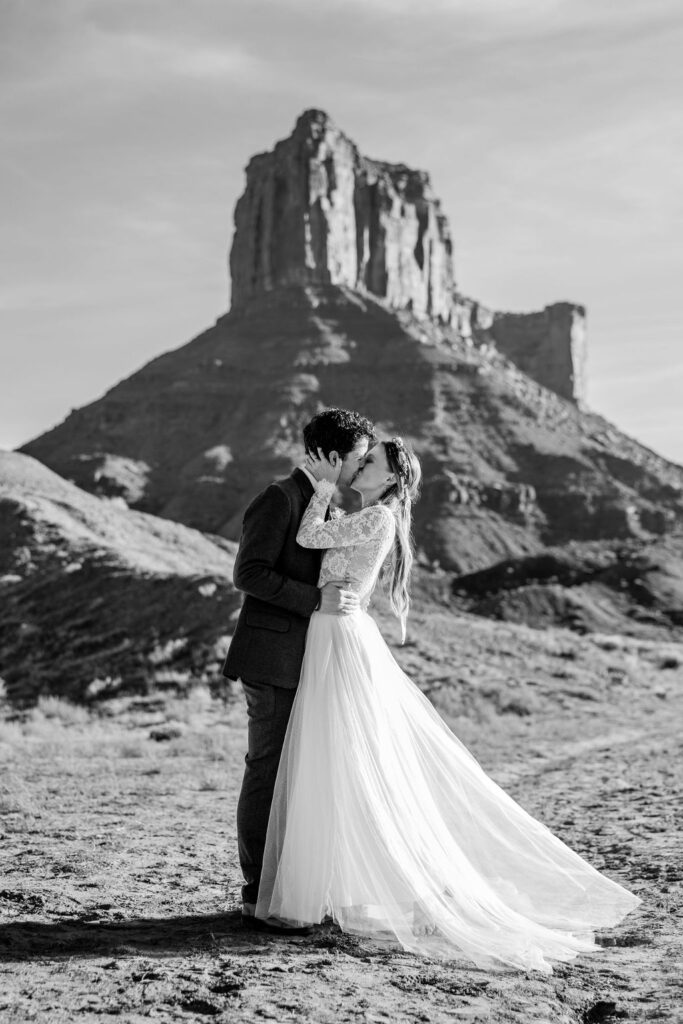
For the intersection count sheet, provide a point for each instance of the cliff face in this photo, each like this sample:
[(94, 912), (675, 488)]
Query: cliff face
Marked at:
[(315, 211), (344, 296), (549, 346), (509, 465)]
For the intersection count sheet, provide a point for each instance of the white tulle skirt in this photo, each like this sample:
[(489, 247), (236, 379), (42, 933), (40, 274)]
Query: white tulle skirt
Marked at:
[(384, 821)]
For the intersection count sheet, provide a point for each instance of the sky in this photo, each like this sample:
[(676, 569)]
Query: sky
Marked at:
[(552, 131)]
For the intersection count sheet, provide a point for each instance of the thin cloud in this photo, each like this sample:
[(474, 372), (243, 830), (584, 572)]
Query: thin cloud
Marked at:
[(132, 55), (79, 54)]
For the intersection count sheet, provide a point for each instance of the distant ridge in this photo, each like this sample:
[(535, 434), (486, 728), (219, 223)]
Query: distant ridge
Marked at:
[(96, 600), (344, 295)]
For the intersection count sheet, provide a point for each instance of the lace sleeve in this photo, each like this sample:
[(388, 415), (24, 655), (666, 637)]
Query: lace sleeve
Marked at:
[(315, 532)]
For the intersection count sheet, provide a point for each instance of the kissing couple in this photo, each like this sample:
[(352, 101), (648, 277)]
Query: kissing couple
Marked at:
[(358, 803)]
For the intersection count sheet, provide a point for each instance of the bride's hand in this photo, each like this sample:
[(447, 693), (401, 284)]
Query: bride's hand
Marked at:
[(322, 467)]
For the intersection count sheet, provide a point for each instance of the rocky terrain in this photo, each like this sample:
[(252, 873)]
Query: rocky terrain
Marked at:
[(96, 600), (509, 465), (549, 346), (344, 294), (120, 881), (633, 587)]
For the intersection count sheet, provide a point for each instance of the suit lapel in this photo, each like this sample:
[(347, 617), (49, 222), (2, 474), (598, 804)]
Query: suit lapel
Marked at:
[(303, 483), (306, 487)]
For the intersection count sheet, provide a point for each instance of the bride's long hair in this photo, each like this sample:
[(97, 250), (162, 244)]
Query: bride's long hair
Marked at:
[(400, 496)]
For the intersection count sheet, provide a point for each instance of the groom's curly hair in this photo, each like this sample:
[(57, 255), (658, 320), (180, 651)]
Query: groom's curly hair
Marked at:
[(337, 430)]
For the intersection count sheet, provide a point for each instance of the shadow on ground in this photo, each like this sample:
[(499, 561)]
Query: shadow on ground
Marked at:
[(26, 940)]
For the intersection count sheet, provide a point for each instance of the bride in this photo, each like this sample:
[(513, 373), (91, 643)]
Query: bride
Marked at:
[(381, 818)]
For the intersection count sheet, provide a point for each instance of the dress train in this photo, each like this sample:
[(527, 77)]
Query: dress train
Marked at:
[(382, 819)]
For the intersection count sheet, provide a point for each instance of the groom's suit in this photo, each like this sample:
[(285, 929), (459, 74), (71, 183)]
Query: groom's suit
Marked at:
[(279, 580)]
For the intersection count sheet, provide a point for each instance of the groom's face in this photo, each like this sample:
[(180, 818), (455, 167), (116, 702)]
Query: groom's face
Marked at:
[(352, 462)]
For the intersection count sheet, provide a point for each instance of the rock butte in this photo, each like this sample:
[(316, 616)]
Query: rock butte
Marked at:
[(343, 294), (315, 211)]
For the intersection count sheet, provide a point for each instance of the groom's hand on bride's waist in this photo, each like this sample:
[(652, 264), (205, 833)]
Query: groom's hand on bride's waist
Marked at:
[(337, 599)]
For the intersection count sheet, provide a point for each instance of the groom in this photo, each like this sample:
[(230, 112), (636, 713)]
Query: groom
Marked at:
[(279, 580)]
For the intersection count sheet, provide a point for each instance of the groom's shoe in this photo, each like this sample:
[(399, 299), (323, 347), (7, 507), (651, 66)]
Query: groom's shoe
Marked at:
[(271, 925)]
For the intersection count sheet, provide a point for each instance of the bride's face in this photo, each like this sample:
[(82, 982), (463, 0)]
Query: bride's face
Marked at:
[(352, 462), (374, 473)]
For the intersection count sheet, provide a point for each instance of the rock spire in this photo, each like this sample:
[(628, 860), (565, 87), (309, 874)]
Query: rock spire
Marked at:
[(315, 211)]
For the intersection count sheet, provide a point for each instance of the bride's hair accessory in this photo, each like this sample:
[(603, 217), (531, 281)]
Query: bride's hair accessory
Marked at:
[(405, 467), (398, 457), (400, 495)]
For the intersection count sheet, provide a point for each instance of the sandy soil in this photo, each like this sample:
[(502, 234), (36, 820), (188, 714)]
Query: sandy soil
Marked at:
[(120, 882)]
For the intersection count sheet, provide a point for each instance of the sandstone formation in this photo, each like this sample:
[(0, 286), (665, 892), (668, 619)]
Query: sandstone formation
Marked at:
[(549, 346), (509, 465), (315, 211), (343, 294)]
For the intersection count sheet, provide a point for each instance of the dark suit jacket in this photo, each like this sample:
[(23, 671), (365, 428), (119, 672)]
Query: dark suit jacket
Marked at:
[(279, 579)]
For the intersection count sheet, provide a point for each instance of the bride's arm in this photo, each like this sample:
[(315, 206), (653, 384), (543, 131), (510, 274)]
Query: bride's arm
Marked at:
[(316, 532)]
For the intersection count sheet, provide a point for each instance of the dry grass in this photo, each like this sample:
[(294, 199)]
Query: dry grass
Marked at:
[(209, 781), (131, 748), (16, 797), (63, 711), (121, 881), (192, 708)]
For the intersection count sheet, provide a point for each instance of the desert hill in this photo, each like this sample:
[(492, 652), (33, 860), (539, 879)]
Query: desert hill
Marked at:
[(509, 465), (96, 599), (343, 293), (632, 587)]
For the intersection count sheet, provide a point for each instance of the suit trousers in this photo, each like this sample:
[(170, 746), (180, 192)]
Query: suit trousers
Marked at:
[(268, 710)]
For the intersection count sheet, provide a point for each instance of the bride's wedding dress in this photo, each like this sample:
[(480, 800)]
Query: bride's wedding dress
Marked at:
[(382, 819)]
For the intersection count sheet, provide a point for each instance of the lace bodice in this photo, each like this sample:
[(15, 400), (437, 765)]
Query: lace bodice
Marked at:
[(356, 544)]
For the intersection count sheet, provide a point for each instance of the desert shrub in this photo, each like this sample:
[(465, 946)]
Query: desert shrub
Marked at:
[(163, 654), (190, 708), (15, 796), (11, 735), (609, 643), (215, 744), (172, 679), (62, 710), (130, 748), (103, 687), (211, 781)]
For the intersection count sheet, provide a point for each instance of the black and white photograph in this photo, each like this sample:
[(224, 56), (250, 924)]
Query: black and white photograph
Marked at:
[(341, 511)]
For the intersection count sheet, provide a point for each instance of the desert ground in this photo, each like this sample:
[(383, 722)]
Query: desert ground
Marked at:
[(119, 883)]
